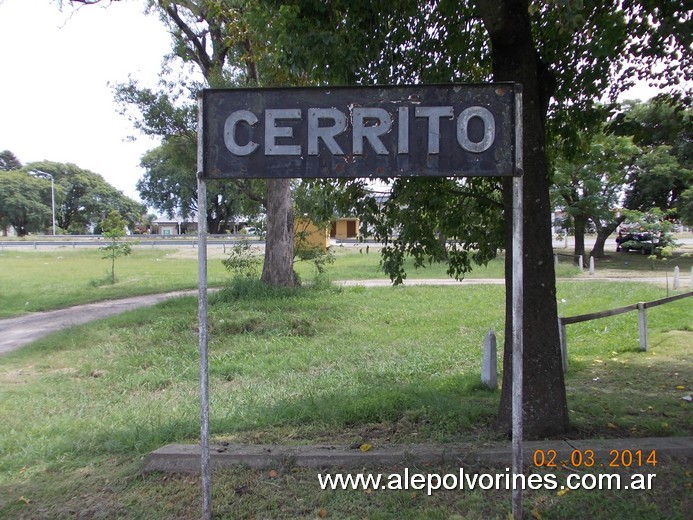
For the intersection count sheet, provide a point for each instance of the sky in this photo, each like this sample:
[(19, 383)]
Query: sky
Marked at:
[(56, 95)]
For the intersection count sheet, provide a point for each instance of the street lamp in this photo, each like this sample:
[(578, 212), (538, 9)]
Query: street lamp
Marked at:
[(52, 195)]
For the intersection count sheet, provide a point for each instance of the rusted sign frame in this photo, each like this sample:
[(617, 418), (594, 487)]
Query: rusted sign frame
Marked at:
[(517, 287), (356, 132)]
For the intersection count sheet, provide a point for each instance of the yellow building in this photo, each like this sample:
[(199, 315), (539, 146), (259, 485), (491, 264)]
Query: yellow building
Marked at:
[(308, 235), (345, 228)]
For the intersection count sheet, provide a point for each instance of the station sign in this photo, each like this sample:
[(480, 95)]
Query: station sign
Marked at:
[(397, 131)]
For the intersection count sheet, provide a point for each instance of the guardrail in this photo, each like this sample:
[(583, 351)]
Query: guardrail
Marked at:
[(75, 241), (641, 307)]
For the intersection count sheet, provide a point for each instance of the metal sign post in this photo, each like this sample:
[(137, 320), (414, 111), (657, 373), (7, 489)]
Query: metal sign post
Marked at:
[(372, 132), (518, 307), (205, 465)]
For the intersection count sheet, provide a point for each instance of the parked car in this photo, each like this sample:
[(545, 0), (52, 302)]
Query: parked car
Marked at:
[(250, 231), (645, 243)]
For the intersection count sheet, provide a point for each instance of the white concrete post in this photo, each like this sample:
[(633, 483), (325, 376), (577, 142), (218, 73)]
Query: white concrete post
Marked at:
[(677, 278), (580, 260), (489, 363), (591, 265), (642, 325)]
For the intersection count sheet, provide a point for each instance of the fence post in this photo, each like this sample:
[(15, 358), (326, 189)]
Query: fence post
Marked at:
[(580, 260), (489, 368), (591, 265), (563, 338), (677, 278), (642, 325)]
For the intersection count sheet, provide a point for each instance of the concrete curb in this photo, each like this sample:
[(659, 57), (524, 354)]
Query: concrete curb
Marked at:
[(185, 458)]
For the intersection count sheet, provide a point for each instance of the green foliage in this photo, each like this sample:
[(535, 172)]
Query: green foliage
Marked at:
[(584, 50), (664, 129), (23, 200), (317, 256), (83, 198), (436, 229), (685, 207), (9, 161), (170, 183), (657, 180), (589, 184), (243, 263), (114, 229)]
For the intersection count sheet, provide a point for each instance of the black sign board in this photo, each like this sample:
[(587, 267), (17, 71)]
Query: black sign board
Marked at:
[(398, 131)]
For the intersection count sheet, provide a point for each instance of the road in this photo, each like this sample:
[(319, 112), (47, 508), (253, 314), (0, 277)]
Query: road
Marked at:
[(46, 242)]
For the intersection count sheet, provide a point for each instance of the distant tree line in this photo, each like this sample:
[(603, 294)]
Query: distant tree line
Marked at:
[(82, 198)]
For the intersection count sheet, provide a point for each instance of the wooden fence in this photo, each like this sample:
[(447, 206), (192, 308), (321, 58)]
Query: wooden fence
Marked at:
[(641, 307)]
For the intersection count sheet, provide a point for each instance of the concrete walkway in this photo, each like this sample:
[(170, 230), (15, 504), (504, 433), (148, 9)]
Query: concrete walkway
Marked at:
[(185, 458), (22, 330)]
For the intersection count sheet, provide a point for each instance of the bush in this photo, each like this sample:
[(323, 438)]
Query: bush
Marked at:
[(242, 263)]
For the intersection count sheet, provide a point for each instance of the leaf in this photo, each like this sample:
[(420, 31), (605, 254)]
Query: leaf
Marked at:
[(365, 447), (24, 499), (612, 426), (680, 387), (322, 513), (562, 492), (536, 514), (273, 474)]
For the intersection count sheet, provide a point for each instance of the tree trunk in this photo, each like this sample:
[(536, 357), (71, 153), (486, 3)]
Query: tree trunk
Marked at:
[(603, 232), (514, 58), (278, 268), (579, 223)]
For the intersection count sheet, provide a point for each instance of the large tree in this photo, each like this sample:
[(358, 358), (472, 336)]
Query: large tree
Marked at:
[(589, 185), (170, 186), (664, 129), (218, 38), (84, 198), (565, 54), (23, 202), (9, 161)]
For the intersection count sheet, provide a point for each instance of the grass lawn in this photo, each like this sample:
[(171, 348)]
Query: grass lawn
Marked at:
[(33, 281), (81, 409), (42, 280)]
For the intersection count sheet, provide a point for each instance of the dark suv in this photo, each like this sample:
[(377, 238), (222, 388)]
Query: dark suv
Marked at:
[(645, 243)]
